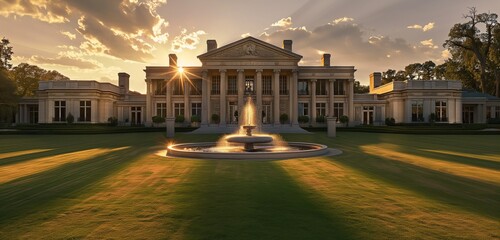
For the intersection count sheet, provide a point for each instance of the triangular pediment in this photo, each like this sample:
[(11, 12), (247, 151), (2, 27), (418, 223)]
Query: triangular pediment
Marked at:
[(250, 48)]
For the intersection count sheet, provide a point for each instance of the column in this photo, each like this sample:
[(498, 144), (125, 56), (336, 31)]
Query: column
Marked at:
[(313, 101), (222, 107), (205, 96), (149, 106), (294, 118), (276, 96), (241, 93), (168, 96), (331, 92), (258, 89), (187, 104), (291, 109), (458, 109), (351, 101)]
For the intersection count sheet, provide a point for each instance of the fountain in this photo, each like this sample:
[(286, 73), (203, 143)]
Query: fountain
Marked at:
[(249, 145)]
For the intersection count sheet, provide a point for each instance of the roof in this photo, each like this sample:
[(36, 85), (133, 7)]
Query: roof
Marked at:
[(476, 94)]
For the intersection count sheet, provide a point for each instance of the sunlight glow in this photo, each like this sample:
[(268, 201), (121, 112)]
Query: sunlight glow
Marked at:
[(180, 70)]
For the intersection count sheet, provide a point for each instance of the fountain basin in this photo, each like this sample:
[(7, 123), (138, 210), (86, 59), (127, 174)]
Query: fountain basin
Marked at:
[(263, 151), (249, 139)]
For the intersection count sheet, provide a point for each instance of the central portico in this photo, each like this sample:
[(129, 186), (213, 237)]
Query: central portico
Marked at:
[(216, 91)]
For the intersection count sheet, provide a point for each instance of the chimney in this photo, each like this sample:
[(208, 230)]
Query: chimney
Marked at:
[(326, 59), (211, 45), (287, 45), (172, 60), (123, 82), (375, 80)]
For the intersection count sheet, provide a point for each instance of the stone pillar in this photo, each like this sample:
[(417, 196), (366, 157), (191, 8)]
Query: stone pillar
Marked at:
[(170, 123), (332, 126), (168, 96), (290, 98), (331, 99), (351, 101), (187, 105), (276, 97), (241, 92), (313, 101), (222, 107), (294, 118), (458, 109), (205, 96), (149, 107), (258, 90)]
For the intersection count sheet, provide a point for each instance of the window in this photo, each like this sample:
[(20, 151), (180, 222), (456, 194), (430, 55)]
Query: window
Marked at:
[(178, 109), (196, 87), (160, 87), (136, 115), (196, 109), (33, 113), (339, 87), (440, 111), (417, 111), (320, 109), (321, 86), (161, 109), (215, 85), (85, 111), (497, 112), (303, 109), (177, 86), (231, 85), (60, 111), (283, 85), (249, 87), (303, 87), (338, 110), (267, 85)]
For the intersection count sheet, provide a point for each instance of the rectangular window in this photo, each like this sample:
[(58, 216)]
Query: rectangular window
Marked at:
[(303, 88), (232, 88), (283, 85), (178, 88), (33, 113), (320, 109), (497, 112), (215, 85), (303, 109), (196, 87), (417, 111), (267, 85), (338, 110), (161, 109), (60, 111), (179, 109), (249, 84), (321, 86), (196, 109), (488, 113), (136, 117), (85, 111), (160, 87), (339, 87), (440, 111)]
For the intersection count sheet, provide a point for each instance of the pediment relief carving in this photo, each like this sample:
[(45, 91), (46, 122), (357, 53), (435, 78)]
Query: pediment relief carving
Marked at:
[(249, 50)]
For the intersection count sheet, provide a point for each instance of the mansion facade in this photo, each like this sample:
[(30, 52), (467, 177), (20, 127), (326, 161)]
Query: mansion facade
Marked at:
[(214, 93)]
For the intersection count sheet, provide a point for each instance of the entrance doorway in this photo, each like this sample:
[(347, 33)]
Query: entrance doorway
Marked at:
[(233, 113), (468, 114), (136, 115), (368, 115)]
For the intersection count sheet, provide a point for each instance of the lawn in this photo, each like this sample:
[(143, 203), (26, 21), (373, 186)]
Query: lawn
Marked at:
[(384, 186)]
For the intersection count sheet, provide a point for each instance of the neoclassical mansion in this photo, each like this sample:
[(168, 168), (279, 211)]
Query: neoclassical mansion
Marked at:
[(280, 88)]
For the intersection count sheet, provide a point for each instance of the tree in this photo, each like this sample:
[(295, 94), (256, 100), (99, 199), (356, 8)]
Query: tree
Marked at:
[(358, 88), (468, 37), (414, 71), (27, 76), (427, 69), (5, 54), (8, 98)]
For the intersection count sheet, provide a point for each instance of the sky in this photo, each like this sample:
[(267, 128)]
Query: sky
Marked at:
[(96, 39)]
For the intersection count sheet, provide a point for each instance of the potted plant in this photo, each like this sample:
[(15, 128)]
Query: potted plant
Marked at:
[(390, 121), (70, 118), (320, 119), (195, 121), (303, 119), (179, 119), (112, 121), (283, 118), (215, 118), (158, 119), (344, 120)]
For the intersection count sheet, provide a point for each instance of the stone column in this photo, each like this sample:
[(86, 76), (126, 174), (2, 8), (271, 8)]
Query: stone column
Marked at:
[(276, 97), (331, 92), (258, 90), (241, 92), (149, 103), (291, 109), (205, 96), (458, 109), (294, 118), (332, 126), (187, 104), (223, 92), (313, 101), (170, 119), (351, 101)]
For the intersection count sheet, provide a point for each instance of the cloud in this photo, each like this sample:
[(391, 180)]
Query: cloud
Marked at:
[(428, 43), (69, 35), (341, 20), (186, 40), (66, 61), (284, 22), (424, 28), (244, 35)]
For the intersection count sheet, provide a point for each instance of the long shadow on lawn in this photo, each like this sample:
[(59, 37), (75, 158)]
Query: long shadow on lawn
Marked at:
[(453, 158), (471, 195), (29, 194), (252, 200)]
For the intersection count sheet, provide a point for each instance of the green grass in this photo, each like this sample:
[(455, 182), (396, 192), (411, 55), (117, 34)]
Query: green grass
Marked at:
[(384, 186)]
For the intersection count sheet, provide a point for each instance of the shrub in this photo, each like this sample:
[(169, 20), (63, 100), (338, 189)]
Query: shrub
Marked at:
[(215, 118), (283, 118), (158, 119), (390, 121), (432, 118), (303, 119), (195, 118), (494, 120), (70, 118), (179, 119), (320, 119), (112, 121), (344, 119)]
